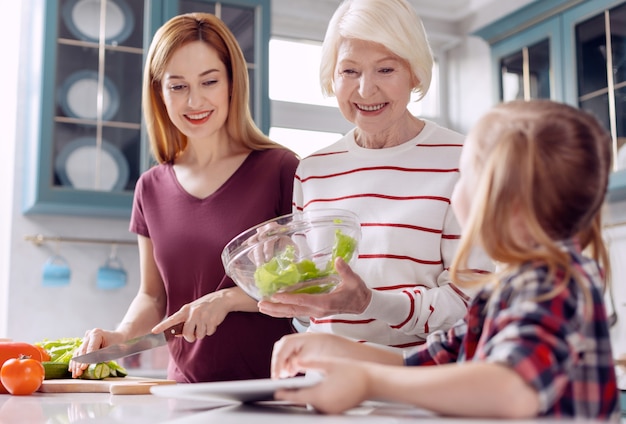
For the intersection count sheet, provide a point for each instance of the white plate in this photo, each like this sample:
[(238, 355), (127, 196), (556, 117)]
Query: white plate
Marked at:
[(79, 93), (76, 165), (82, 18), (233, 391)]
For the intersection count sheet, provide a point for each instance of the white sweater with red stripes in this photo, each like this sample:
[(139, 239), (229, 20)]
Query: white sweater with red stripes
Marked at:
[(402, 197)]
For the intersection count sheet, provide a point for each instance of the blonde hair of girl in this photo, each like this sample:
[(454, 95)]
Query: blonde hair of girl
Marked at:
[(545, 166)]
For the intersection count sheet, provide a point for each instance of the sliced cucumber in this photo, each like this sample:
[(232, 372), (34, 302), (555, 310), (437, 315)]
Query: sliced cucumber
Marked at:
[(56, 370), (96, 371), (117, 370)]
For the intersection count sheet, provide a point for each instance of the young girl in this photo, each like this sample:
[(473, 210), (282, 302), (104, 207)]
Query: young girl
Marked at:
[(535, 340)]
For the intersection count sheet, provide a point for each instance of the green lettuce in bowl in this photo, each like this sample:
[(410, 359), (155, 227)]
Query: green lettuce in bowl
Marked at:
[(284, 271)]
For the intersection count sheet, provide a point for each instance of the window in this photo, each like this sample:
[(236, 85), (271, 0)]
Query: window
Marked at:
[(302, 118), (303, 142), (294, 73)]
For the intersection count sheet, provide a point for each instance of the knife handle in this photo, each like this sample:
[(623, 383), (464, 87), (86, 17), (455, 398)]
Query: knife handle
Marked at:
[(173, 331)]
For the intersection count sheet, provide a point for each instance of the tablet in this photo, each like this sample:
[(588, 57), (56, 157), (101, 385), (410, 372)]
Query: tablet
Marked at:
[(244, 391)]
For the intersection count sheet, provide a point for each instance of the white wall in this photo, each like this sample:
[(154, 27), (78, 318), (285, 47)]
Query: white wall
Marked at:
[(470, 92), (9, 28)]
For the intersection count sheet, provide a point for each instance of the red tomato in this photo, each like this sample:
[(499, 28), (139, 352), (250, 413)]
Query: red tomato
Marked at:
[(10, 350), (22, 376)]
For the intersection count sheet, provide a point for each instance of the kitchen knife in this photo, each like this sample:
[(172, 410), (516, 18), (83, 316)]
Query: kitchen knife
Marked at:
[(130, 347)]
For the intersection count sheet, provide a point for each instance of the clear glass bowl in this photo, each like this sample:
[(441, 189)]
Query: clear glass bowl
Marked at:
[(293, 253)]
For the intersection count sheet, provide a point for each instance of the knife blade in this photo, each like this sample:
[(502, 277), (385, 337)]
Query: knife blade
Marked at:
[(130, 347)]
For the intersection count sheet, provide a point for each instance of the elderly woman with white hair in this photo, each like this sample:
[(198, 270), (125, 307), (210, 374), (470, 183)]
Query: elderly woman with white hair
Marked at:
[(394, 170)]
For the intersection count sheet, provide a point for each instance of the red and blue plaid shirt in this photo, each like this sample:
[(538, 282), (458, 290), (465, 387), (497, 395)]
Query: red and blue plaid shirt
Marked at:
[(558, 349)]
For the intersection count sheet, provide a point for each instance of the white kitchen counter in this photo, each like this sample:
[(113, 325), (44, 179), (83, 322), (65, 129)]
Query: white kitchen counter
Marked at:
[(63, 408)]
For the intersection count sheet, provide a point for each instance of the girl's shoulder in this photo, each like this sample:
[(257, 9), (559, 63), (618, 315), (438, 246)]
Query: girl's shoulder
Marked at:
[(534, 279), (530, 279)]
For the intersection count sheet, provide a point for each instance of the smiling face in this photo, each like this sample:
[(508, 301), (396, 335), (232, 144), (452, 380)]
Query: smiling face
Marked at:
[(373, 86), (195, 89)]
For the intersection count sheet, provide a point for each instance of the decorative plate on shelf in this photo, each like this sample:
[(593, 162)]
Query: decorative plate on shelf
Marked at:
[(82, 18), (76, 166), (79, 93)]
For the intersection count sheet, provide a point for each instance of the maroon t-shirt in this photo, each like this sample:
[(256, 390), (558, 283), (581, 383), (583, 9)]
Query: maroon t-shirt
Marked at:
[(189, 234)]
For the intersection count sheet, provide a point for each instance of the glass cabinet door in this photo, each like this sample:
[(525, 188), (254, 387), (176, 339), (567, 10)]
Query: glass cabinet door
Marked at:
[(598, 44), (601, 66), (85, 148), (525, 66), (525, 74), (96, 134)]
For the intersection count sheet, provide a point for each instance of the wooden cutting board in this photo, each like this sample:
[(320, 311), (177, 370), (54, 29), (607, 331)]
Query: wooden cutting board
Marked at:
[(113, 385)]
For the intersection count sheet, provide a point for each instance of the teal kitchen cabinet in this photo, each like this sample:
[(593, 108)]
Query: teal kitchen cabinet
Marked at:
[(85, 143), (572, 51)]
